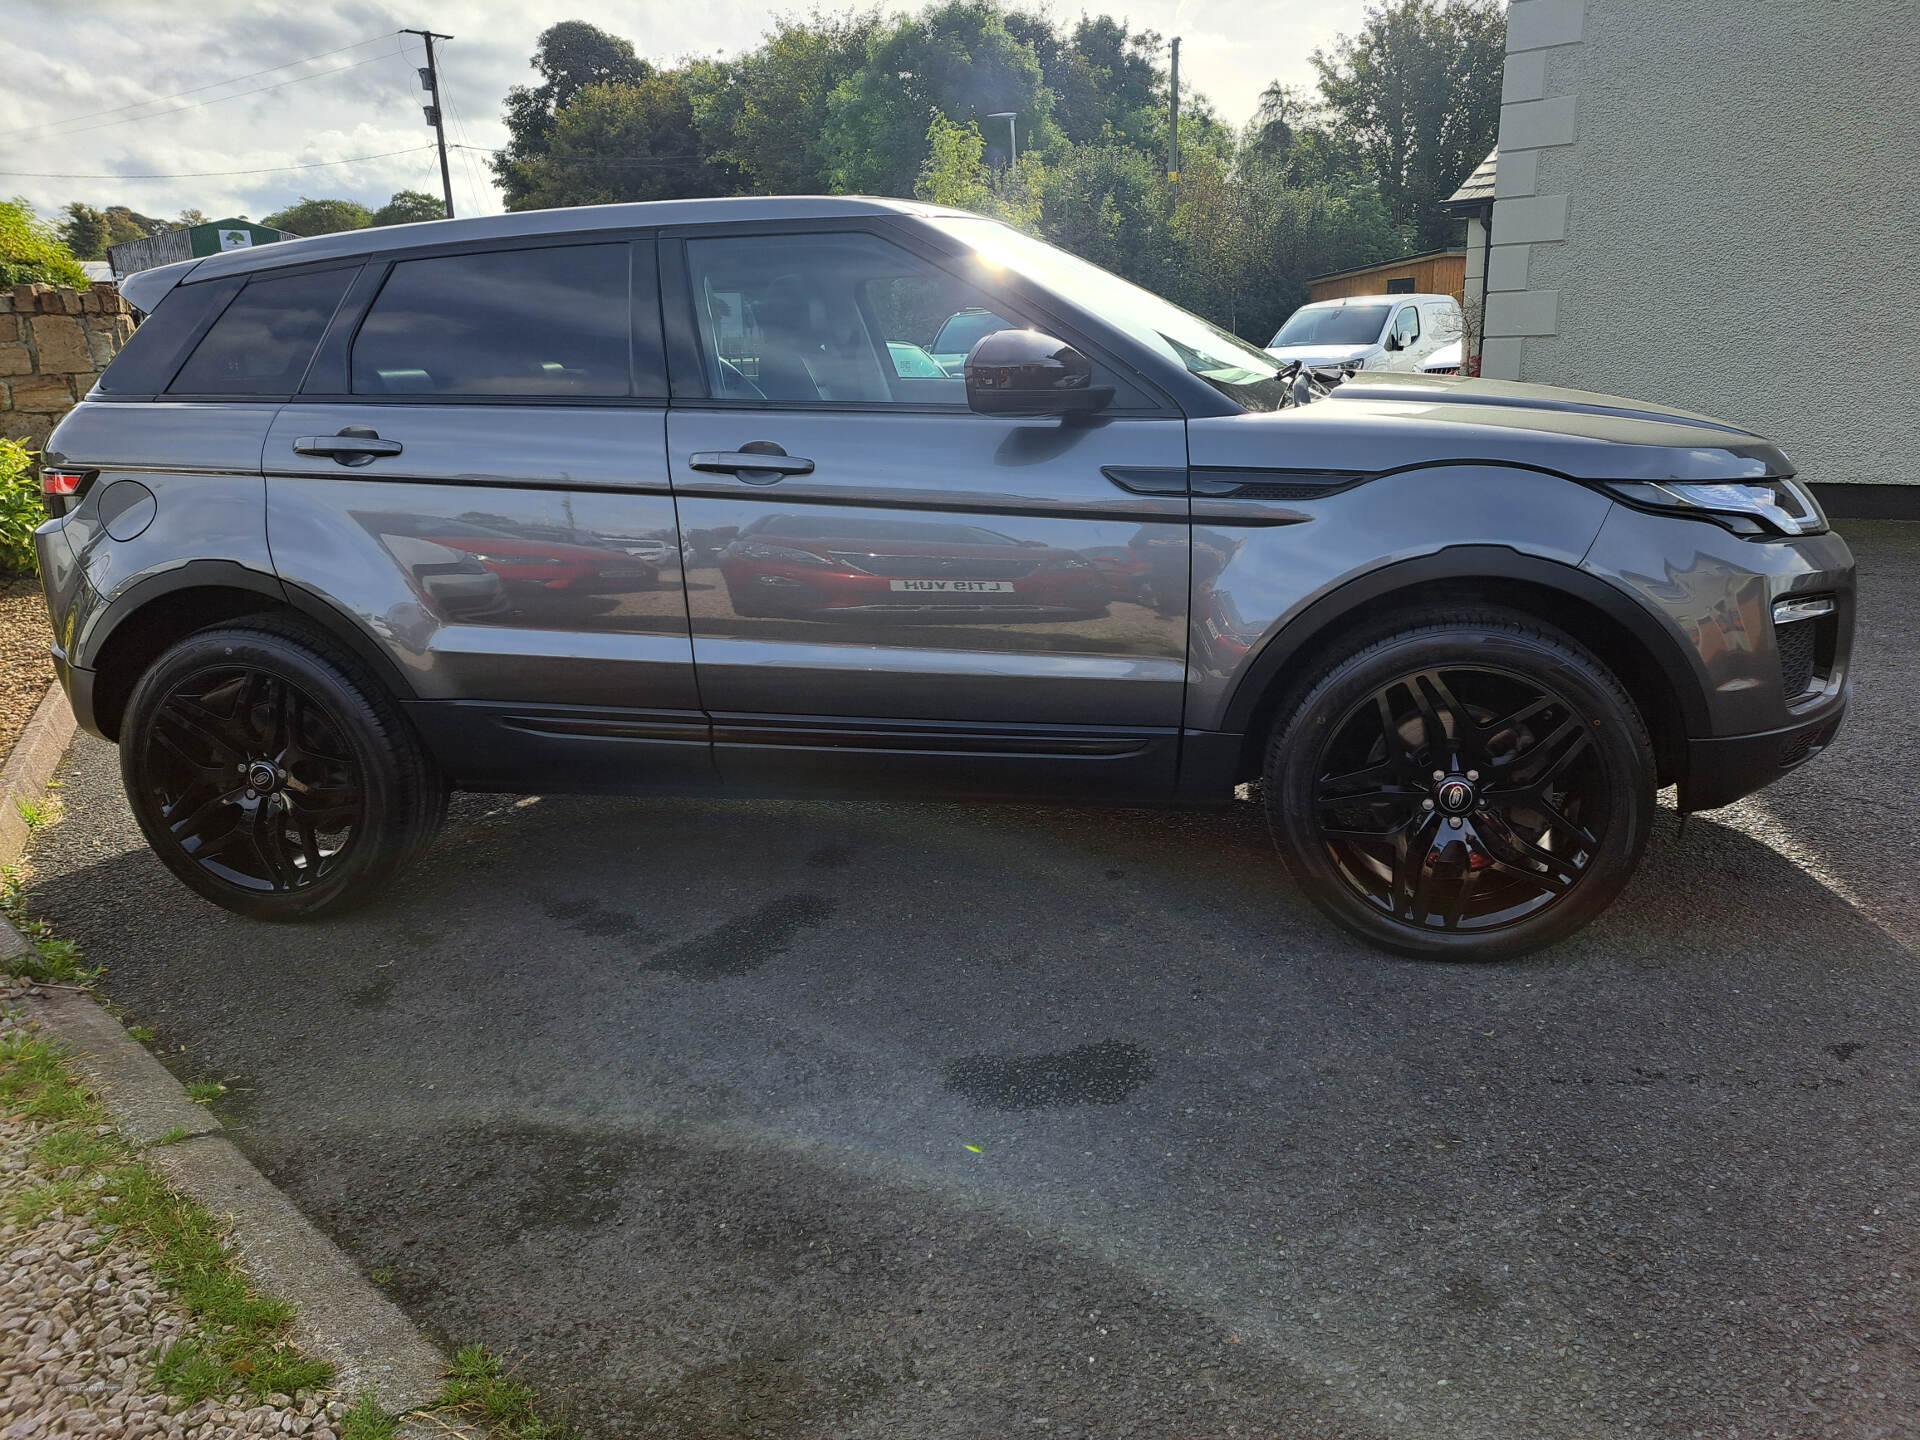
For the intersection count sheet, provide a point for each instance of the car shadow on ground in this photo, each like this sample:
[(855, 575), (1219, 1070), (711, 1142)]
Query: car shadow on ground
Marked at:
[(874, 1119)]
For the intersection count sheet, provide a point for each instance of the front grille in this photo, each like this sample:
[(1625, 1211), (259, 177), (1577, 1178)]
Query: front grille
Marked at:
[(1796, 645), (936, 567), (1806, 744), (1443, 370)]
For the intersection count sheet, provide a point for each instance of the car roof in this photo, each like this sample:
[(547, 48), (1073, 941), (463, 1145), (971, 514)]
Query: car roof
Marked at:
[(145, 288), (1373, 300)]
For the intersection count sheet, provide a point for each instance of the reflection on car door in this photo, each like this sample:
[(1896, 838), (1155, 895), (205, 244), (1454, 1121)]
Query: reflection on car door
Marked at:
[(478, 464), (906, 589)]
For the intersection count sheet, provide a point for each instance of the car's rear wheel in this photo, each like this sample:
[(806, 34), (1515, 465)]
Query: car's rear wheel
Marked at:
[(1475, 785), (274, 777)]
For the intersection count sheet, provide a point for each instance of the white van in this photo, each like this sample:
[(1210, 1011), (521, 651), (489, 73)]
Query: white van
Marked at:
[(1380, 332)]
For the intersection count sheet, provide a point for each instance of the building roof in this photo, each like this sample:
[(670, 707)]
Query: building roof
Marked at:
[(1475, 195), (1383, 265)]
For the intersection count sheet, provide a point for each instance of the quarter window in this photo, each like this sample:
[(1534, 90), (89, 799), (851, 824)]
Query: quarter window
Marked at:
[(538, 322), (262, 342), (837, 319)]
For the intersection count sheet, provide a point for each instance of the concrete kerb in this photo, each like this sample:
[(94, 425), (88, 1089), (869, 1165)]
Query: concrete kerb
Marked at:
[(340, 1316), (36, 755)]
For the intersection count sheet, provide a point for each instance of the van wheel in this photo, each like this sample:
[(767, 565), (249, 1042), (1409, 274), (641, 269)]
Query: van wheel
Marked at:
[(1473, 786), (274, 777)]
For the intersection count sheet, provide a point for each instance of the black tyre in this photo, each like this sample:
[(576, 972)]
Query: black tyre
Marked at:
[(274, 777), (1471, 786)]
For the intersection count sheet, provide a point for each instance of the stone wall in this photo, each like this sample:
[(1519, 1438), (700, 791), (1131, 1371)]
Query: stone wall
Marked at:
[(54, 341)]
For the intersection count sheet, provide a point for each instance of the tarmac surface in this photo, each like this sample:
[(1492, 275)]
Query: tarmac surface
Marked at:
[(807, 1120)]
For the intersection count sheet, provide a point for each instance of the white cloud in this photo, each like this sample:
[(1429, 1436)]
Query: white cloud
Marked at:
[(366, 100)]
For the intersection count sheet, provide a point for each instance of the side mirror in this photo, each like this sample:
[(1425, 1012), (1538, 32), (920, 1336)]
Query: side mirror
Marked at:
[(1392, 342), (1022, 372)]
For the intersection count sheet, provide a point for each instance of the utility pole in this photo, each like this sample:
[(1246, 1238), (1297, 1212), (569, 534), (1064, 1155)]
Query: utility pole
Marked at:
[(1173, 128), (430, 82)]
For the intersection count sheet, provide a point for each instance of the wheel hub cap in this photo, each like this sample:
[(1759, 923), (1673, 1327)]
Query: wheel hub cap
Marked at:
[(1455, 796), (263, 775)]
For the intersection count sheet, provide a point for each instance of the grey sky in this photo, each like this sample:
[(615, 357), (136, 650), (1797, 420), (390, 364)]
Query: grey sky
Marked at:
[(118, 56)]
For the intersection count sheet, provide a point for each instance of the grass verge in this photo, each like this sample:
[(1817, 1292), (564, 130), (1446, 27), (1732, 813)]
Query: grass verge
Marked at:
[(480, 1389), (48, 958), (238, 1343)]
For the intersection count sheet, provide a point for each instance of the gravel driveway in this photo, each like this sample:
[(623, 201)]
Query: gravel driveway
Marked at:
[(865, 1120)]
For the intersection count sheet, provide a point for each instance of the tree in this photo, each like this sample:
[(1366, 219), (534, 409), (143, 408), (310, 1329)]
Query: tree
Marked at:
[(124, 224), (570, 57), (616, 142), (191, 216), (1419, 89), (31, 252), (84, 232), (320, 217), (408, 206), (954, 173)]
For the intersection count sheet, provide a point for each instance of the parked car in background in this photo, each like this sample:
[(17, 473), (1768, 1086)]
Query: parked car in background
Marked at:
[(1459, 631), (1447, 360), (1371, 332)]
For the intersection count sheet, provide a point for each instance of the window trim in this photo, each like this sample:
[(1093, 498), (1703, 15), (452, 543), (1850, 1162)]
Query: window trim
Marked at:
[(329, 379), (686, 362)]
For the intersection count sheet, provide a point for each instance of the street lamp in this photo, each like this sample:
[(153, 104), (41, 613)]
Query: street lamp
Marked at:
[(1013, 135)]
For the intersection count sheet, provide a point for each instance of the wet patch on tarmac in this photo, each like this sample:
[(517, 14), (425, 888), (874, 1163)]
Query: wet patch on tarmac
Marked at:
[(597, 921), (1103, 1073), (745, 943)]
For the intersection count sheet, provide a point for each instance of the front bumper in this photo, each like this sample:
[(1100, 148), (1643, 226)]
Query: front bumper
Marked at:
[(1723, 768)]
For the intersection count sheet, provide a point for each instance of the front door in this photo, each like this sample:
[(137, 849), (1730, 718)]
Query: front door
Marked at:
[(904, 589), (478, 467)]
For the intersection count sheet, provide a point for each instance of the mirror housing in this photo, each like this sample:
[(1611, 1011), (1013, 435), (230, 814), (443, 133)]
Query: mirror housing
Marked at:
[(1392, 342), (1023, 372)]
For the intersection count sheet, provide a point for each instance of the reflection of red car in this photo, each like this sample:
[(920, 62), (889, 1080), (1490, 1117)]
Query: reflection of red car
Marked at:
[(1126, 571), (816, 565), (525, 560)]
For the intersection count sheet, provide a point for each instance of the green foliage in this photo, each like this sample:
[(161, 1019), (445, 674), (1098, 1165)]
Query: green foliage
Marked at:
[(49, 957), (623, 142), (478, 1385), (320, 217), (954, 173), (408, 206), (1419, 91), (569, 57), (30, 251), (21, 510), (365, 1420), (84, 232)]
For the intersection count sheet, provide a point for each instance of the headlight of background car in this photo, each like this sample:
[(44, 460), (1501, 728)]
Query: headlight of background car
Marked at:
[(1746, 507)]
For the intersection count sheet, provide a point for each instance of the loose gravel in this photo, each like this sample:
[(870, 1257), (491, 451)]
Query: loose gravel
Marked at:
[(83, 1320), (25, 669)]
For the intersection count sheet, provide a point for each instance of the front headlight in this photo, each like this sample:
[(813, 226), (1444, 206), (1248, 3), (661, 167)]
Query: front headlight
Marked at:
[(1746, 507)]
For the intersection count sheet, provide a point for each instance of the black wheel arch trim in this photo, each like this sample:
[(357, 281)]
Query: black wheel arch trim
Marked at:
[(1666, 646)]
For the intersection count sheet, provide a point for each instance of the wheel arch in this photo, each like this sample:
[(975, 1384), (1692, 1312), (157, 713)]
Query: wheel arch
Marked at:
[(156, 612), (1645, 652)]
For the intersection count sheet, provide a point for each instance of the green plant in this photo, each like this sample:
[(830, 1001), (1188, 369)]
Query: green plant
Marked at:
[(37, 813), (478, 1385), (30, 250), (205, 1092), (48, 957), (20, 509), (141, 1033), (367, 1421)]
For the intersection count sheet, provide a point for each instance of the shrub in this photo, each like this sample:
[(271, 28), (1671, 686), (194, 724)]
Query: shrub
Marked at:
[(31, 251), (20, 509)]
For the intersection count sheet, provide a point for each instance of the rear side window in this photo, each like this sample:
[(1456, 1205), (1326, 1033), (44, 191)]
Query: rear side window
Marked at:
[(154, 350), (545, 322), (262, 344)]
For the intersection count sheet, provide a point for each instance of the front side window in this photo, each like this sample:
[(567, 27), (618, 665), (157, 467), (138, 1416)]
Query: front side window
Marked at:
[(1333, 325), (540, 322), (262, 342), (1406, 325), (1247, 375), (844, 318)]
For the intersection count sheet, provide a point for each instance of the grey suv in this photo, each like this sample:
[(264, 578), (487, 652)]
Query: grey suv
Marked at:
[(693, 496)]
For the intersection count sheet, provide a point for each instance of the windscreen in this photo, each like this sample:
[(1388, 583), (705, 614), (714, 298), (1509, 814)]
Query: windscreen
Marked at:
[(1333, 325)]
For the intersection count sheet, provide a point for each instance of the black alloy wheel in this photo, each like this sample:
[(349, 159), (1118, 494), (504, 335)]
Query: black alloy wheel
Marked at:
[(274, 775), (1473, 787), (254, 782)]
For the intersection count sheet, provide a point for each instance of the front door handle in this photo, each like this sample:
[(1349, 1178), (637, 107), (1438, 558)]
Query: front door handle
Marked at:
[(758, 462), (355, 445)]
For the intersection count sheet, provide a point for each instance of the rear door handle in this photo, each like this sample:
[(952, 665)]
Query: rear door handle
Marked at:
[(355, 445), (760, 462)]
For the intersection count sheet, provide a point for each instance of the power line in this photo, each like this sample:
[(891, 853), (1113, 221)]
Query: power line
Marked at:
[(633, 162), (217, 99), (193, 90), (203, 174)]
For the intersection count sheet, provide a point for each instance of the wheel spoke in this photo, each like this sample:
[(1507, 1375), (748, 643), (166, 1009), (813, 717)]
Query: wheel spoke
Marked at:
[(196, 821), (1440, 744), (1558, 750), (270, 844), (202, 724), (1559, 869), (1410, 861), (1469, 880)]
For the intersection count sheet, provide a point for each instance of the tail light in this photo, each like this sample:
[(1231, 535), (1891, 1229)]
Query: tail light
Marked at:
[(63, 489)]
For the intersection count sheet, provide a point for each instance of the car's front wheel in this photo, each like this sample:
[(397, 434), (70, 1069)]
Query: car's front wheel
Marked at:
[(1473, 785), (273, 777)]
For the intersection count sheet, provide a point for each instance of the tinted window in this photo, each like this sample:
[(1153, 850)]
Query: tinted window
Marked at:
[(805, 319), (263, 341), (149, 358), (509, 322)]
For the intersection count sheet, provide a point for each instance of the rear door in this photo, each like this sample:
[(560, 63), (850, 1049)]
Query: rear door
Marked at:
[(906, 590), (476, 469)]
